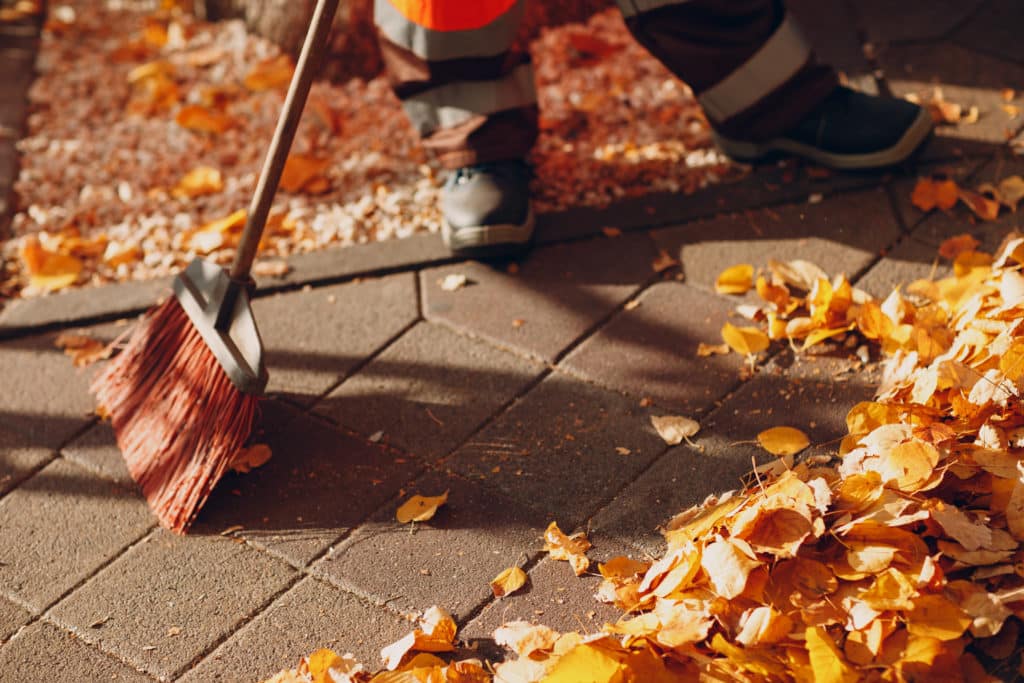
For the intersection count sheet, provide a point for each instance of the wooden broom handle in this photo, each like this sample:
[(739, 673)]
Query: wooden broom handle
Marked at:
[(270, 175)]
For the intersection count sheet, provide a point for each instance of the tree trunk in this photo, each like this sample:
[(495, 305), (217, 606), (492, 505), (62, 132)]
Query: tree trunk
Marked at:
[(353, 45)]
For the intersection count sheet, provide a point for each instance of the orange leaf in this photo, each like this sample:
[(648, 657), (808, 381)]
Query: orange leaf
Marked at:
[(736, 279), (573, 548), (508, 582), (194, 117), (984, 208), (270, 74), (930, 194), (783, 440), (420, 508), (300, 170), (956, 245), (745, 340), (200, 181), (48, 270)]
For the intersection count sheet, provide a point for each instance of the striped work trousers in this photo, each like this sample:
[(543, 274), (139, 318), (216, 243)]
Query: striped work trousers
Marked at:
[(471, 96)]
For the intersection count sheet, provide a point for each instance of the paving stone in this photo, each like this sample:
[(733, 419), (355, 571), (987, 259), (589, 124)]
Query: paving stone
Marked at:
[(12, 617), (841, 234), (97, 450), (449, 560), (317, 486), (429, 390), (908, 261), (679, 479), (995, 30), (555, 449), (651, 350), (966, 78), (18, 460), (917, 19), (557, 294), (60, 526), (169, 599), (312, 338), (311, 615), (32, 368), (554, 596), (44, 652)]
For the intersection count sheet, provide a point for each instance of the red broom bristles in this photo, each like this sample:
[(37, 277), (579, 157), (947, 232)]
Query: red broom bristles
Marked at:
[(178, 419)]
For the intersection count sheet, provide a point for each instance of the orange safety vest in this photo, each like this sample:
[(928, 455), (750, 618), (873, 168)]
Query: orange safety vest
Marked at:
[(452, 15)]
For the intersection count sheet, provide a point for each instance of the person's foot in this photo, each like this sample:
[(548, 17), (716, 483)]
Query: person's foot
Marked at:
[(849, 130), (486, 210)]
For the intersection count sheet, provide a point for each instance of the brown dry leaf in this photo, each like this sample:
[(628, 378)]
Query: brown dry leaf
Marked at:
[(984, 208), (704, 350), (251, 457), (745, 340), (420, 508), (508, 582), (956, 245), (572, 549), (436, 634), (1011, 191), (300, 170), (674, 428), (736, 279), (274, 73), (200, 181), (664, 261), (83, 349), (930, 194), (525, 638), (783, 440), (203, 120)]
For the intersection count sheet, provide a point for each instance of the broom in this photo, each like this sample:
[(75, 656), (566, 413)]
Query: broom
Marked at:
[(182, 396)]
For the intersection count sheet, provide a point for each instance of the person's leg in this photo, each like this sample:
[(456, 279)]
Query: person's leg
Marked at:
[(472, 100), (762, 89)]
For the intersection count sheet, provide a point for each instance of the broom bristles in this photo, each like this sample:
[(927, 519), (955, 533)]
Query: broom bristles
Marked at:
[(178, 419)]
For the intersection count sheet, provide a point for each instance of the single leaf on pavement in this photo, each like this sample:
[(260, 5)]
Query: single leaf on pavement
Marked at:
[(783, 440), (745, 340), (508, 582), (572, 549), (251, 457), (736, 279), (420, 508), (674, 428)]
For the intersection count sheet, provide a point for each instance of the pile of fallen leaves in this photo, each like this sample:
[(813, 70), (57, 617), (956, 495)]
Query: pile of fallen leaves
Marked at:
[(902, 561), (147, 130)]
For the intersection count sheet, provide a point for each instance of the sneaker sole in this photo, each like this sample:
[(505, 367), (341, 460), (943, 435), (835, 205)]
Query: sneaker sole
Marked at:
[(904, 147), (503, 239)]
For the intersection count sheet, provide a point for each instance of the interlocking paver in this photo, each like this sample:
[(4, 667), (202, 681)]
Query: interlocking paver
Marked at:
[(18, 459), (44, 652), (908, 261), (12, 617), (317, 486), (170, 599), (313, 338), (557, 449), (429, 390), (557, 294), (96, 449), (44, 396), (449, 560), (61, 525), (996, 30), (311, 615), (967, 78), (651, 350), (918, 19), (682, 477), (842, 234), (554, 597)]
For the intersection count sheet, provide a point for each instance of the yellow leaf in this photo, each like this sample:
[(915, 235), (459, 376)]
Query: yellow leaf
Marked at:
[(783, 440), (867, 416), (420, 508), (573, 548), (508, 582), (1011, 190), (704, 350), (300, 170), (827, 662), (872, 322), (728, 563), (674, 428), (251, 457), (321, 662), (48, 270), (933, 616), (735, 279), (622, 568), (201, 119), (525, 638), (585, 664), (270, 74), (968, 262), (202, 180), (763, 625), (820, 335), (745, 340)]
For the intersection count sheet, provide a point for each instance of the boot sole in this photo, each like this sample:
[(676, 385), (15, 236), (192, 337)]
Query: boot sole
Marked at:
[(489, 241), (903, 148)]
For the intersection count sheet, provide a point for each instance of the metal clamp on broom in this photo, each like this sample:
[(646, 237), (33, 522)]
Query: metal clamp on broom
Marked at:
[(182, 395)]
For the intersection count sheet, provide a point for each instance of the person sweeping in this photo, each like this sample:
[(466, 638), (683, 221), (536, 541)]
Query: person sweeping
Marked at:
[(182, 396), (471, 97)]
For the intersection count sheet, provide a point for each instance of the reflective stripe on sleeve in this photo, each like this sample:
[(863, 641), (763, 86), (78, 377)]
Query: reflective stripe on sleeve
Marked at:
[(781, 56), (449, 105), (434, 46)]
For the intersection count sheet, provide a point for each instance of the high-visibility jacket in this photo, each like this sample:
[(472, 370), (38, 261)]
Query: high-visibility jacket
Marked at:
[(472, 98)]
